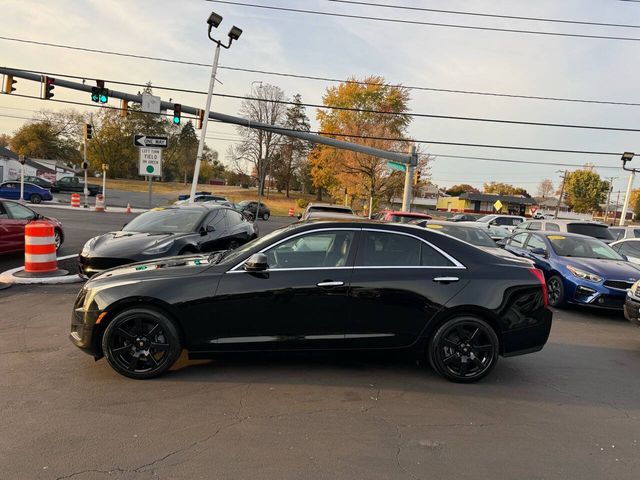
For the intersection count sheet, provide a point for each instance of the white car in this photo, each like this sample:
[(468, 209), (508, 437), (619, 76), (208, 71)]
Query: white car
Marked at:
[(202, 199), (629, 247), (498, 226)]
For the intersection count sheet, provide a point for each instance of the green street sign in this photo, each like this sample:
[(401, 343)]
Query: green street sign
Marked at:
[(397, 166)]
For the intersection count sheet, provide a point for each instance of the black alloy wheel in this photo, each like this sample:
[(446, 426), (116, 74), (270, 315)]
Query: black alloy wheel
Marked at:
[(464, 349), (57, 238), (141, 343), (555, 291), (35, 198)]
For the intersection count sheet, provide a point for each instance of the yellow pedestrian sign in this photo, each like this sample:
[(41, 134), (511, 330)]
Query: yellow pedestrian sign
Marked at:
[(497, 205)]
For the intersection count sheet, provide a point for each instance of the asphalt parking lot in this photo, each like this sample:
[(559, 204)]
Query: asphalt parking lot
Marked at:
[(569, 411)]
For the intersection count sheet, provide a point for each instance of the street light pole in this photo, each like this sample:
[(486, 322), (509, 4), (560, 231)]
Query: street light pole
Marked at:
[(213, 21)]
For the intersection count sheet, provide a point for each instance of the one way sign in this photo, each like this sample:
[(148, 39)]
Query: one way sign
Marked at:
[(149, 141)]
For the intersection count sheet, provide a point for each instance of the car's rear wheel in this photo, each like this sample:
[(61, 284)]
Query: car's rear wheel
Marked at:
[(265, 216), (464, 349), (555, 291), (35, 198), (141, 343)]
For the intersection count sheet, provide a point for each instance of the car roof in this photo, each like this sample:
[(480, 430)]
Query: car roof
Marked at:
[(407, 214), (547, 233), (566, 221), (455, 224), (332, 205)]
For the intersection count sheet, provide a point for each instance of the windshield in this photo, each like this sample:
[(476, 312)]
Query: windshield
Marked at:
[(591, 230), (172, 220), (486, 218), (324, 208), (474, 236), (582, 247)]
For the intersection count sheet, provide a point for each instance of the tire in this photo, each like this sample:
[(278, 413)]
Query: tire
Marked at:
[(555, 292), (265, 216), (35, 198), (464, 349), (58, 239), (233, 244), (141, 343)]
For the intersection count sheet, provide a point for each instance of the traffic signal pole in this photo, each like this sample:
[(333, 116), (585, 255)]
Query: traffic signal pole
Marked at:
[(410, 170)]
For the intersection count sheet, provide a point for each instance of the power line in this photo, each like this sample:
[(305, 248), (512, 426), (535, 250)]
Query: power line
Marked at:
[(392, 139), (362, 110), (486, 15), (322, 79), (421, 23)]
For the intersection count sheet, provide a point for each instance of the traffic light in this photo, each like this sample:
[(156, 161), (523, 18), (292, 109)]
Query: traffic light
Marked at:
[(199, 119), (416, 177), (8, 84), (177, 111), (48, 85), (124, 107), (85, 165), (99, 94), (88, 131)]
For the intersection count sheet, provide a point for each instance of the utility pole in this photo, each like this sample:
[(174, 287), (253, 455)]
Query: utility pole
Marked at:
[(625, 206), (564, 180), (408, 180), (22, 160)]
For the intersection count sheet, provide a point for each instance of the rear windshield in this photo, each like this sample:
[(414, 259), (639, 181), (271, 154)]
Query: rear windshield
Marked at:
[(473, 235), (591, 230), (330, 209)]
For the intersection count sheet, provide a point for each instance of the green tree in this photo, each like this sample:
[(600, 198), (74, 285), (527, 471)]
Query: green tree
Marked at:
[(504, 189), (293, 151), (48, 139), (585, 190), (545, 188), (461, 188)]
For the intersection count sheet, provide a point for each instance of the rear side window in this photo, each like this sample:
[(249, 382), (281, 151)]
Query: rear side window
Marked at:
[(636, 232), (234, 218), (552, 227), (394, 250), (590, 229), (535, 226), (518, 240)]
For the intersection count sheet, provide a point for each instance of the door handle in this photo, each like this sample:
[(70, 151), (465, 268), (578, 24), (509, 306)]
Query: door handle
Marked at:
[(446, 279), (330, 284)]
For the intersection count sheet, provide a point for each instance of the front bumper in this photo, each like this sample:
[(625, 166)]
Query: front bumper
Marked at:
[(632, 309), (82, 328), (90, 266), (594, 295)]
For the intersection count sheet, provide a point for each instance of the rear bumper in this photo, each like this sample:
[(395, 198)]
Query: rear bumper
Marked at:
[(531, 338)]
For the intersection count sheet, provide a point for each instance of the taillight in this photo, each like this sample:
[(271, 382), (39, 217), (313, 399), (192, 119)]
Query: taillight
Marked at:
[(540, 276)]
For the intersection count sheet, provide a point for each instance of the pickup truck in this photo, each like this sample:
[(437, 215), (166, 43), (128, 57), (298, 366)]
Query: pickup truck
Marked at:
[(75, 184)]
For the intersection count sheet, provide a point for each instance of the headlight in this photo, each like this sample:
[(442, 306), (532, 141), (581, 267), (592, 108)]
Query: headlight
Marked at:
[(159, 248), (87, 246), (634, 289), (591, 277)]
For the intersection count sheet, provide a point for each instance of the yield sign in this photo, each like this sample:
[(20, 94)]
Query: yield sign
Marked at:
[(533, 208)]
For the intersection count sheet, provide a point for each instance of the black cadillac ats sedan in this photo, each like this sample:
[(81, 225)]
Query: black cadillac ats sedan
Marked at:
[(164, 232), (319, 285)]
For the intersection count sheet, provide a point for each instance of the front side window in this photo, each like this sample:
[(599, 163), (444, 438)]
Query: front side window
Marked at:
[(536, 242), (326, 249), (19, 212), (381, 249)]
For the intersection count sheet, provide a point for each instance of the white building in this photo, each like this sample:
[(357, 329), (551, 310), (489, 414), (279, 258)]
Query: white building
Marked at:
[(50, 170)]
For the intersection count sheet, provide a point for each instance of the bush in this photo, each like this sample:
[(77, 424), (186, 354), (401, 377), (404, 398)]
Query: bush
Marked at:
[(302, 203)]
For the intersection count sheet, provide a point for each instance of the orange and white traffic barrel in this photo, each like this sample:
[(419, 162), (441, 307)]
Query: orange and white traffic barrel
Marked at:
[(39, 248), (99, 203), (75, 200), (292, 212)]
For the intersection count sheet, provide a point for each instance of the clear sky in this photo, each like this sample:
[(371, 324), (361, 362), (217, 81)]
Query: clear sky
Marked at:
[(414, 55)]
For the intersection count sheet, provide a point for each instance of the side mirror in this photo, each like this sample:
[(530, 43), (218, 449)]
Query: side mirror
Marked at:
[(210, 228), (539, 251), (502, 242), (299, 216), (256, 263)]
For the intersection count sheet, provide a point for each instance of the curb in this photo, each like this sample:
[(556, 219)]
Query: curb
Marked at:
[(8, 277)]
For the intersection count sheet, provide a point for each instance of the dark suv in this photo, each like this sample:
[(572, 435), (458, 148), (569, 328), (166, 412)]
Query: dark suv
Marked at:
[(75, 184), (250, 206)]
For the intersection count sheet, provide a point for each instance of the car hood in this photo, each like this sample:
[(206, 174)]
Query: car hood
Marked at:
[(180, 266), (121, 244), (609, 269)]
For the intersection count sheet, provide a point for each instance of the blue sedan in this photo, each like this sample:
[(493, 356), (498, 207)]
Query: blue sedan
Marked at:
[(579, 270), (32, 193)]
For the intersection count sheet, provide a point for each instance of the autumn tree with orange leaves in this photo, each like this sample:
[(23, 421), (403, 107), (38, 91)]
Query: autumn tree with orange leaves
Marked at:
[(362, 176)]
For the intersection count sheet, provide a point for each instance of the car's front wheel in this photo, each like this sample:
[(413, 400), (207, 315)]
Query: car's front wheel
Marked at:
[(265, 216), (57, 238), (464, 349), (555, 291), (141, 343), (35, 198)]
